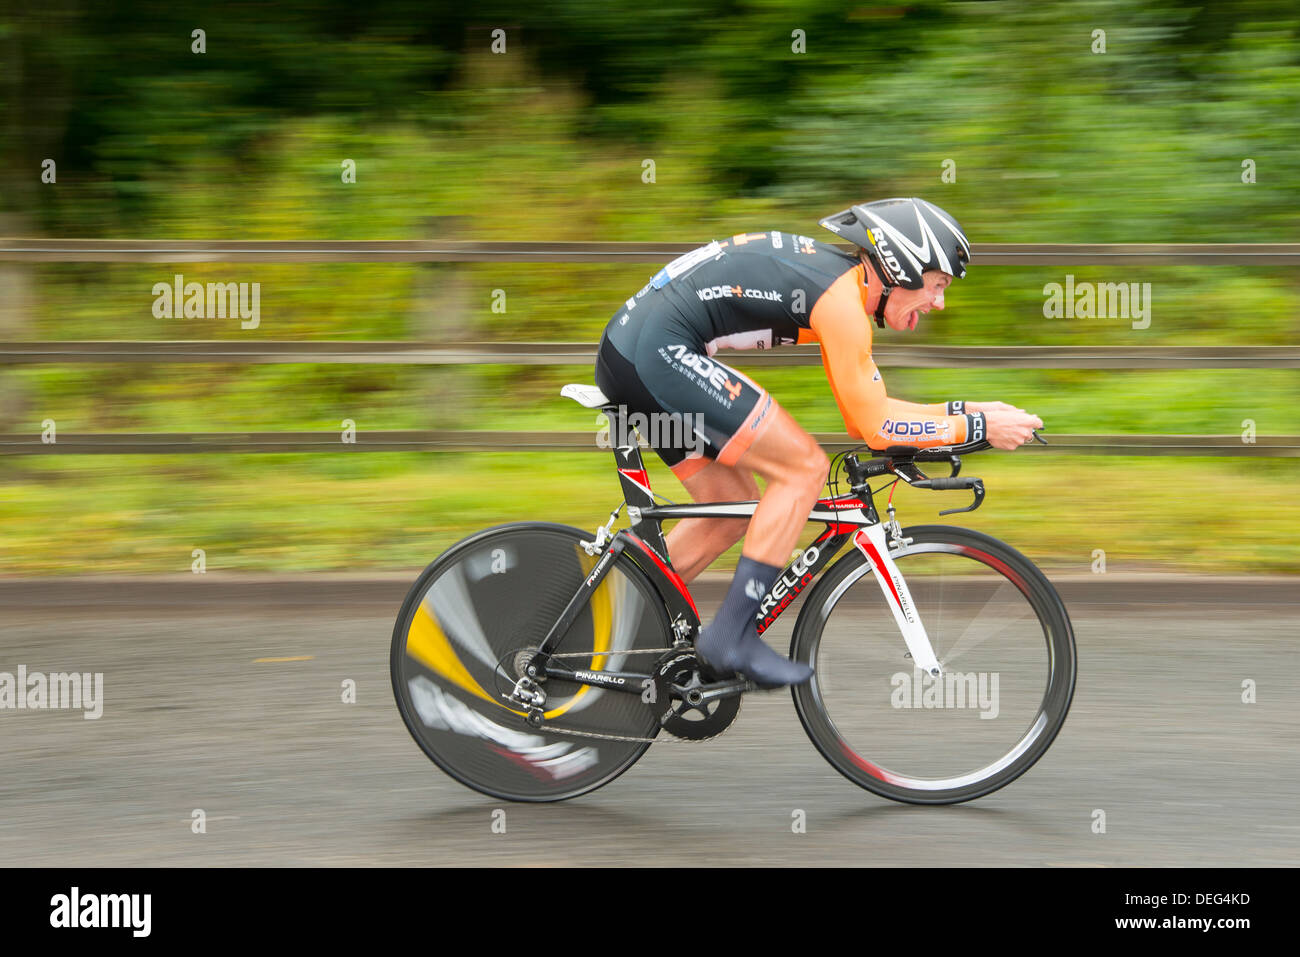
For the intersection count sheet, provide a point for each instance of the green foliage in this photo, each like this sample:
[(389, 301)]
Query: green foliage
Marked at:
[(1050, 141)]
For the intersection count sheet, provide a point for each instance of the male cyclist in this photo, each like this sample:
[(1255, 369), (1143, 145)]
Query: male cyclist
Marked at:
[(758, 291)]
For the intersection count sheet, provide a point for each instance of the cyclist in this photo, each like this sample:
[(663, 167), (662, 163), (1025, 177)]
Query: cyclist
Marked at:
[(759, 291)]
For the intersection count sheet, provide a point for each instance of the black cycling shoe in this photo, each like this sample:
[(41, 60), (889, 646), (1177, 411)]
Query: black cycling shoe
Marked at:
[(750, 658)]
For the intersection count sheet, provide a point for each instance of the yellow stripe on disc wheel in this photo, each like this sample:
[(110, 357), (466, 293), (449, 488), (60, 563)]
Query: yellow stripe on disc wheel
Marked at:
[(601, 619), (428, 644)]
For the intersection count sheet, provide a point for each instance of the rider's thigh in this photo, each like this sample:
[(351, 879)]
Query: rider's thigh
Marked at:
[(716, 482), (784, 452)]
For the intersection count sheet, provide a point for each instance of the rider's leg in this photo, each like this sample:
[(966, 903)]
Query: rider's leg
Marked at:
[(746, 429), (694, 543), (795, 468)]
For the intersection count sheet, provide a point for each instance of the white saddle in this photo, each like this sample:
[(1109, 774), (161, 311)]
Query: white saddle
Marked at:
[(586, 395)]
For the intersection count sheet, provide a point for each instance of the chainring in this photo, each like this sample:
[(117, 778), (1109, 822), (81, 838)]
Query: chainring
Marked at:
[(695, 722)]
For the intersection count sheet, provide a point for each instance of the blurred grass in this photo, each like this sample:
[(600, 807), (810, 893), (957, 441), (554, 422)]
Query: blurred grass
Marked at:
[(1067, 146), (357, 512), (203, 398)]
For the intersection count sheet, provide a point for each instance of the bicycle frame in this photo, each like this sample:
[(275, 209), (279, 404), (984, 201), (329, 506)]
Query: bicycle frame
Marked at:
[(850, 516)]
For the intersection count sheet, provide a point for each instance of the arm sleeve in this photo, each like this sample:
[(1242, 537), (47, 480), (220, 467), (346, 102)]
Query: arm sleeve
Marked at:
[(918, 408), (844, 332)]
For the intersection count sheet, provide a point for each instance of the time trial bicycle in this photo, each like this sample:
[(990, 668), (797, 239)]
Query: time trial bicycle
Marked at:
[(535, 662)]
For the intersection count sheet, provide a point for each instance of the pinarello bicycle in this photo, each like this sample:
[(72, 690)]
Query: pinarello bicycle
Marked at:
[(534, 662)]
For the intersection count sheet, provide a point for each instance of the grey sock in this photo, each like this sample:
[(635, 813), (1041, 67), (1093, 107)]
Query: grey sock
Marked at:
[(739, 608), (731, 644)]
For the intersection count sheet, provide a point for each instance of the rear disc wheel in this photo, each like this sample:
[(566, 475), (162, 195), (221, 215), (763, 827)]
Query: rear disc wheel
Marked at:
[(466, 628)]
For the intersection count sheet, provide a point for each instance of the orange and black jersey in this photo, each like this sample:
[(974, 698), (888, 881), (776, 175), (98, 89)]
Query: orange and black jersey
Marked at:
[(753, 291), (762, 290)]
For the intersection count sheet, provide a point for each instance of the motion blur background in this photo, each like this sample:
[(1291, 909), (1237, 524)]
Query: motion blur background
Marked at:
[(1049, 142)]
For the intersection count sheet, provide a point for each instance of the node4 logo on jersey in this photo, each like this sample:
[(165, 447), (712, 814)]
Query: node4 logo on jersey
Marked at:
[(1107, 300), (736, 292), (712, 373)]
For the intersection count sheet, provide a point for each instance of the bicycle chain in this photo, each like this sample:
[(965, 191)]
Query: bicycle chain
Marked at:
[(671, 739), (610, 654)]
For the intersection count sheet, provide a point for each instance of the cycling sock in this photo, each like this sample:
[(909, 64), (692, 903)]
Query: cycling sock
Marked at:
[(731, 643)]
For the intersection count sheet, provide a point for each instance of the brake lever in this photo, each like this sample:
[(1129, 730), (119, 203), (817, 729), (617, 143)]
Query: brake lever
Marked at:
[(977, 486), (974, 485)]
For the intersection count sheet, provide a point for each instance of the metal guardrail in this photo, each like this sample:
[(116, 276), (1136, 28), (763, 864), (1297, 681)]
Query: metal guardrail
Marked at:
[(170, 443), (584, 353), (414, 251), (420, 250)]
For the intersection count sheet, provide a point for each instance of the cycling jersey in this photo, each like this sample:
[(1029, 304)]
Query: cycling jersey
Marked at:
[(759, 291)]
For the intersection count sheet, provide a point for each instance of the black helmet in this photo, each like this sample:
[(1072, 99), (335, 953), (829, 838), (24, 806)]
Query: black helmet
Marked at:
[(904, 238)]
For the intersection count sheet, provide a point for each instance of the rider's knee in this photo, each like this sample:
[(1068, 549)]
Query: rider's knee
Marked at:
[(813, 466), (804, 468)]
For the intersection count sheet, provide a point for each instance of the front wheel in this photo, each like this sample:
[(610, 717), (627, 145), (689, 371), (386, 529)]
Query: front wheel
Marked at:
[(1002, 637)]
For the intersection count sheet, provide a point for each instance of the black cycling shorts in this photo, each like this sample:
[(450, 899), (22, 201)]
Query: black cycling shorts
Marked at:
[(694, 408)]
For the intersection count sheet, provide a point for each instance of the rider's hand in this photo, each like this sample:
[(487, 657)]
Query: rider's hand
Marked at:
[(987, 407), (1010, 428)]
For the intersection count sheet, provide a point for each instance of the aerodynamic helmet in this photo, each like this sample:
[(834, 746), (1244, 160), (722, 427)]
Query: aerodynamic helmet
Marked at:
[(903, 238)]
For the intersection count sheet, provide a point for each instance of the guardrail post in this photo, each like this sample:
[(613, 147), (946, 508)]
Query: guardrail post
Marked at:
[(17, 302)]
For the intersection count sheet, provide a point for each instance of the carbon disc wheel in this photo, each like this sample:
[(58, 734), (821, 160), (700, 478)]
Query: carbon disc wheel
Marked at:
[(466, 626)]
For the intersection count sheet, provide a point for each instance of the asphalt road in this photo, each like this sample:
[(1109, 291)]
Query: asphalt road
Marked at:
[(286, 773)]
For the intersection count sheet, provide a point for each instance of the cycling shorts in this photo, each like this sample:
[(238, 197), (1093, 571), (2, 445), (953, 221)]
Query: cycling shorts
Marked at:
[(695, 408)]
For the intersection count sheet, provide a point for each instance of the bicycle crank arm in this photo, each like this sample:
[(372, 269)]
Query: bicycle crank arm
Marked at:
[(871, 542), (715, 690)]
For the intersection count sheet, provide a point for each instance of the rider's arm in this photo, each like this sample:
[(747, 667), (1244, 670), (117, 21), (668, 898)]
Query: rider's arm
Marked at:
[(955, 407), (931, 408), (844, 331)]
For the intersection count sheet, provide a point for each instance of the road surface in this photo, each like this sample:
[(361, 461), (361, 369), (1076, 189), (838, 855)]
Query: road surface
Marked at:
[(225, 697)]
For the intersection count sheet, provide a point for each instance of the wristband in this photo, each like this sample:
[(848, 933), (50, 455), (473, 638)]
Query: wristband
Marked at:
[(956, 408), (975, 427)]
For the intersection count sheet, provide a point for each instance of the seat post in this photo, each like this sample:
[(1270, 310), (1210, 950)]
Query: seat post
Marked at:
[(633, 477), (627, 458)]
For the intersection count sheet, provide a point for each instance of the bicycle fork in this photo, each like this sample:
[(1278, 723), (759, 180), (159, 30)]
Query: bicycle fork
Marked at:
[(870, 540)]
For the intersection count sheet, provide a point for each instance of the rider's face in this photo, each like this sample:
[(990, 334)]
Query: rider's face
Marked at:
[(906, 306)]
